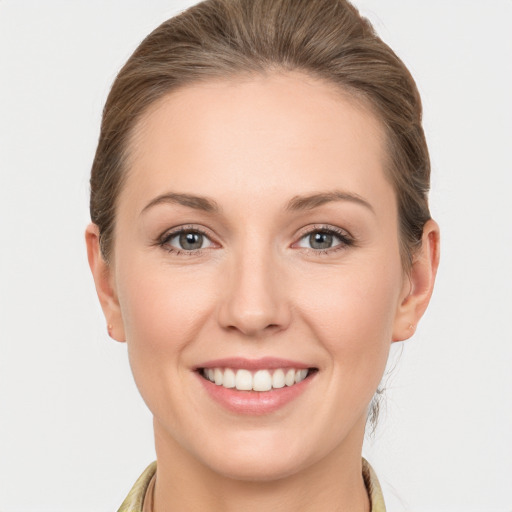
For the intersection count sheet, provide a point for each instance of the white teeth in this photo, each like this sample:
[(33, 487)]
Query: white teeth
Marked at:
[(229, 378), (243, 380), (218, 376), (278, 379), (289, 378), (261, 380), (300, 375)]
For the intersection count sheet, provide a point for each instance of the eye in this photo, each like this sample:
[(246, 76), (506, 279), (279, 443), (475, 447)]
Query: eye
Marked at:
[(323, 239), (186, 240)]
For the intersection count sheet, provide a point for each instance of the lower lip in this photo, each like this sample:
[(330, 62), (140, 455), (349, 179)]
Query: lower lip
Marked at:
[(255, 403)]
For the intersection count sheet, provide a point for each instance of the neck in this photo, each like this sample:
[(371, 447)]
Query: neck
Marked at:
[(334, 483)]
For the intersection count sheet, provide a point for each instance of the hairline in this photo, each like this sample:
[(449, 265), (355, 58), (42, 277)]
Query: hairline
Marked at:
[(359, 99)]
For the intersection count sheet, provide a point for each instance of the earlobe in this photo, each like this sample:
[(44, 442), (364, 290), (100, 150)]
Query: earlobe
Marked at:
[(103, 280), (420, 284)]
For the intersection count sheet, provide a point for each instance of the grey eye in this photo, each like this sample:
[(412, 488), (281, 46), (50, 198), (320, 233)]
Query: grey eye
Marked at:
[(320, 240), (188, 240), (191, 241)]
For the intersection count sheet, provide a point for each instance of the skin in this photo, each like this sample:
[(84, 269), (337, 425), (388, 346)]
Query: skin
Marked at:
[(259, 288)]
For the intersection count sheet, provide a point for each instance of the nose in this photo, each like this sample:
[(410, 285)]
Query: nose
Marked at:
[(254, 300)]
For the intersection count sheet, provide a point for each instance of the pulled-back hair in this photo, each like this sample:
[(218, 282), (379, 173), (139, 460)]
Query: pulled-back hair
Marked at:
[(327, 39)]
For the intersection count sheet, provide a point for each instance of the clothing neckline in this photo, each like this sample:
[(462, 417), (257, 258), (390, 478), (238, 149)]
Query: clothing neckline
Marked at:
[(140, 497)]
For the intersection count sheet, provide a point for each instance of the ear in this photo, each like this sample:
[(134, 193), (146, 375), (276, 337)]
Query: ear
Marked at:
[(103, 276), (418, 287)]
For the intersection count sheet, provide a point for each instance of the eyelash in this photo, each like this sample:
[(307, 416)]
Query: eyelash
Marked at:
[(163, 242), (345, 239)]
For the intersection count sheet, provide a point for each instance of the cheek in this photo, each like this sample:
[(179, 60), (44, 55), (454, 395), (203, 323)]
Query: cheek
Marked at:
[(352, 311), (163, 310)]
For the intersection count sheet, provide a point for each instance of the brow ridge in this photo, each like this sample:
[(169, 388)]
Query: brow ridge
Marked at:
[(188, 200), (309, 202), (296, 204)]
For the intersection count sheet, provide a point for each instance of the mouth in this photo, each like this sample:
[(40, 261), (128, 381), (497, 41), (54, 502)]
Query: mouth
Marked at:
[(261, 380), (255, 386)]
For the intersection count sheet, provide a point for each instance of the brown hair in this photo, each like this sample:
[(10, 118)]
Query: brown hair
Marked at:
[(327, 39)]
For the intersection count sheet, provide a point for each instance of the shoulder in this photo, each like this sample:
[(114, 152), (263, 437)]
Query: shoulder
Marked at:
[(135, 499), (373, 487)]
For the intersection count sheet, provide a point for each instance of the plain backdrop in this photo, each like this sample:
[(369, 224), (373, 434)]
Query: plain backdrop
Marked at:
[(74, 433)]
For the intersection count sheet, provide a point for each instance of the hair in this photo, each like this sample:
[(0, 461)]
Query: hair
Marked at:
[(219, 39)]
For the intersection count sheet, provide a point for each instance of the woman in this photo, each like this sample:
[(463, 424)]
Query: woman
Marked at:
[(260, 236)]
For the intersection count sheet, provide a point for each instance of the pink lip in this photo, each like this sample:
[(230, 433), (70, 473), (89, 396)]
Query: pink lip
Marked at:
[(268, 363), (254, 403)]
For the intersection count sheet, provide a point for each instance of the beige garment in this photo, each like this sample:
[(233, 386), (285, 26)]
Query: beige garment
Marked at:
[(140, 498)]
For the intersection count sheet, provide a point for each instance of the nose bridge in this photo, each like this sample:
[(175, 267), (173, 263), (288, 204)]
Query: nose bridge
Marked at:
[(254, 302)]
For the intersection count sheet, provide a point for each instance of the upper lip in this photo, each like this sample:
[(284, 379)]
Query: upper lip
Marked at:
[(263, 363)]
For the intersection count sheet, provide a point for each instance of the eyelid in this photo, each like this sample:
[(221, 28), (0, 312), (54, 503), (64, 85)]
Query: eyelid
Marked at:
[(169, 234), (343, 235), (346, 239), (323, 227)]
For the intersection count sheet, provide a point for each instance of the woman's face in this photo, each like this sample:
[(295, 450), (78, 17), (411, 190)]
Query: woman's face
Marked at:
[(257, 236)]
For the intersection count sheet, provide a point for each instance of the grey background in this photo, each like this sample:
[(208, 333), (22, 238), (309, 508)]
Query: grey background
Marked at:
[(74, 433)]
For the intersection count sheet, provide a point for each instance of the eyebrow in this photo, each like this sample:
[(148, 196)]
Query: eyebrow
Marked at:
[(297, 203), (304, 203), (188, 200)]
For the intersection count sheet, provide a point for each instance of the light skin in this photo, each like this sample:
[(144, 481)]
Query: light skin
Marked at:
[(274, 161)]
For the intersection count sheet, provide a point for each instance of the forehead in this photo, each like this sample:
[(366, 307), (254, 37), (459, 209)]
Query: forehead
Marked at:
[(277, 134)]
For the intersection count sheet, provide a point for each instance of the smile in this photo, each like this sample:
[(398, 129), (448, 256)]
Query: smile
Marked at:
[(260, 380), (255, 386)]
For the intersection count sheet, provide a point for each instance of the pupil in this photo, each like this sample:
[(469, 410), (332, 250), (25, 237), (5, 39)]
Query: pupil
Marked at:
[(191, 241), (320, 240)]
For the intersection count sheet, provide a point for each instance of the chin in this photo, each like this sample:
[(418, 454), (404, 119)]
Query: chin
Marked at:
[(256, 469), (258, 458)]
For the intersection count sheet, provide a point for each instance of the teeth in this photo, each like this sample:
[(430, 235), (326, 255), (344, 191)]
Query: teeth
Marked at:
[(289, 378), (243, 380), (261, 380), (229, 380), (278, 379), (300, 375)]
